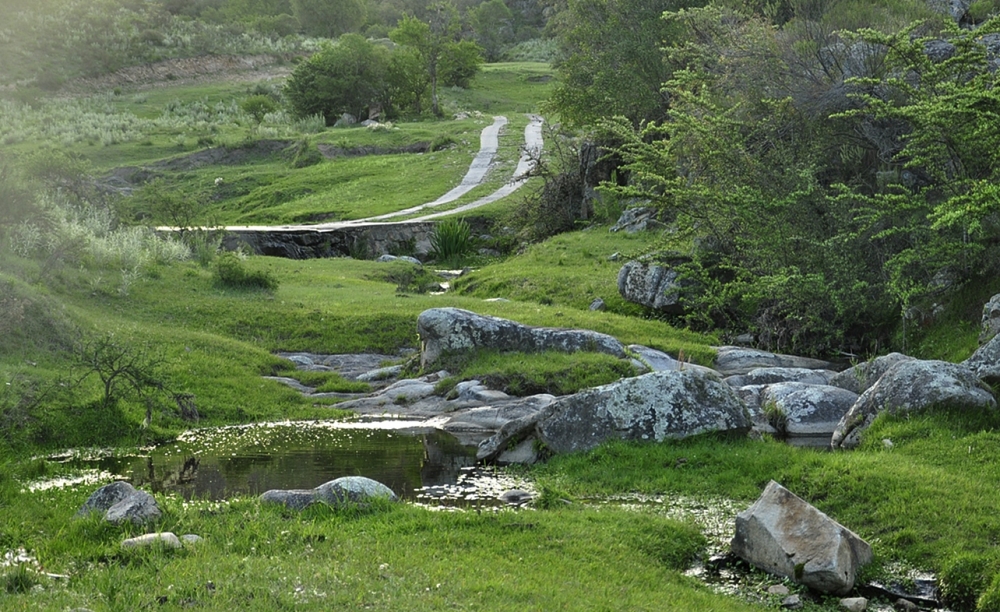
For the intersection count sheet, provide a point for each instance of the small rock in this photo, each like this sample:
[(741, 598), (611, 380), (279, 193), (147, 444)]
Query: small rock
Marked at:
[(778, 589), (887, 443), (905, 605), (854, 604), (792, 602), (166, 539), (190, 538), (515, 497), (614, 256), (598, 305)]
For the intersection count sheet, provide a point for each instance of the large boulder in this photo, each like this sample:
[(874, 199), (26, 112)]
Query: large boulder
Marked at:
[(652, 285), (910, 386), (803, 410), (652, 407), (731, 360), (120, 502), (862, 376), (783, 535), (446, 331)]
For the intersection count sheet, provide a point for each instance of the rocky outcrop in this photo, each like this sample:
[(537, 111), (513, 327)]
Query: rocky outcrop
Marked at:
[(651, 285), (120, 502), (361, 240), (653, 407), (342, 492), (445, 331), (652, 360), (990, 324), (638, 219), (862, 376), (910, 386), (783, 535), (731, 360)]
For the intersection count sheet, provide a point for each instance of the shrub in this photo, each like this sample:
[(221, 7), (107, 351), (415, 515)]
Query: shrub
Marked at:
[(990, 600), (230, 272), (451, 240)]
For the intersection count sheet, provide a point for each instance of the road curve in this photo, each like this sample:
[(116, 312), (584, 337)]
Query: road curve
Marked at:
[(474, 177)]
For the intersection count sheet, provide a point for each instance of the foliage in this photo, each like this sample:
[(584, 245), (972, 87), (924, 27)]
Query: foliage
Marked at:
[(493, 23), (329, 18), (347, 77), (124, 367), (258, 106), (452, 240), (232, 273), (963, 578)]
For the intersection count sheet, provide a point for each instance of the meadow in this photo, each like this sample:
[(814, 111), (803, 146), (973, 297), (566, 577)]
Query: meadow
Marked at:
[(926, 503)]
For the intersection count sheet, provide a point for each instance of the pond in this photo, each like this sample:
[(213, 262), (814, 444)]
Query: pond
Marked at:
[(418, 462)]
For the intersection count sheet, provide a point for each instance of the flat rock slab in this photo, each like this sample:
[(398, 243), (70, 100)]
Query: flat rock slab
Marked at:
[(732, 360), (784, 535), (449, 331), (808, 410), (767, 376)]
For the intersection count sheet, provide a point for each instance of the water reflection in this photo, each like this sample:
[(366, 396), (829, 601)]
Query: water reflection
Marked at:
[(221, 463)]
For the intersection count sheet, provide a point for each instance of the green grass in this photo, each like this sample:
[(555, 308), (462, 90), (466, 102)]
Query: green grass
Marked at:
[(401, 558)]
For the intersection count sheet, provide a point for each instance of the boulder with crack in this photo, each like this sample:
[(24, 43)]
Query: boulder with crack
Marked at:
[(447, 331), (783, 535), (911, 386)]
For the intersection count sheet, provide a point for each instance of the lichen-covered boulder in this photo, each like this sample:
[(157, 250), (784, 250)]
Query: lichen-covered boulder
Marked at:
[(293, 499), (985, 362), (910, 386), (652, 285), (784, 535), (863, 375), (653, 407), (453, 330)]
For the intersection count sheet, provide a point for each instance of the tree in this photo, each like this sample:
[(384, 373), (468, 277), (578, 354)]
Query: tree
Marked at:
[(350, 76), (436, 40), (258, 107), (493, 24)]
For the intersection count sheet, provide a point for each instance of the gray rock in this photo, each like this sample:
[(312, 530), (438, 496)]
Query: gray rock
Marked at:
[(651, 285), (766, 376), (792, 602), (939, 50), (516, 497), (783, 535), (294, 499), (854, 604), (651, 407), (525, 453), (598, 305), (353, 490), (913, 385), (862, 376), (777, 589), (165, 539), (345, 120), (991, 319), (408, 389), (807, 410), (380, 374), (985, 362), (638, 219), (302, 361), (385, 258), (138, 509), (658, 361), (956, 9), (732, 360), (190, 538), (445, 331), (106, 497)]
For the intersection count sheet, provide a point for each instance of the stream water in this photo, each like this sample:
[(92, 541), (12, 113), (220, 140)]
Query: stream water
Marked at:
[(419, 463)]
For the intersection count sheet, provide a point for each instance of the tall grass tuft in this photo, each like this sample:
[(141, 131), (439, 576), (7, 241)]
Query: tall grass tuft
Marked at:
[(230, 272), (452, 240)]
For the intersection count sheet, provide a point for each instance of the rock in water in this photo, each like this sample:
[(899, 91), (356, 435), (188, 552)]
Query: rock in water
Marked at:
[(353, 490), (782, 534)]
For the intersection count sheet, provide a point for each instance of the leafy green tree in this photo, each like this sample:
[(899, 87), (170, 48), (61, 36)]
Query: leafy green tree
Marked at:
[(350, 76), (437, 42), (493, 24), (258, 107)]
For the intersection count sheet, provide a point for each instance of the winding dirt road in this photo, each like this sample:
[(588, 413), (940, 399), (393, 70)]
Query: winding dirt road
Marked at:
[(489, 142)]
